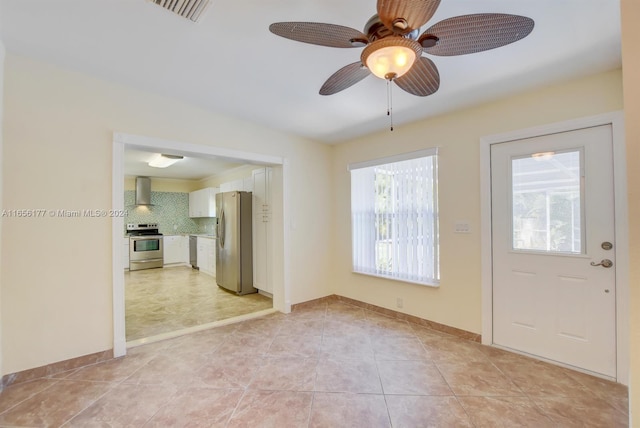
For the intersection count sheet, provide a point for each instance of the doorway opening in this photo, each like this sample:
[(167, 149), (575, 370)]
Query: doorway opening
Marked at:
[(203, 285)]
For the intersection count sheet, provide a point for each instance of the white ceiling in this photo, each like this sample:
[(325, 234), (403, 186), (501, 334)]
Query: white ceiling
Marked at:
[(189, 168), (230, 63)]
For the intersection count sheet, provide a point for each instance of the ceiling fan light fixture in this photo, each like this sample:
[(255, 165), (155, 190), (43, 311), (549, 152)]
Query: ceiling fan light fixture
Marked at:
[(163, 161), (391, 57)]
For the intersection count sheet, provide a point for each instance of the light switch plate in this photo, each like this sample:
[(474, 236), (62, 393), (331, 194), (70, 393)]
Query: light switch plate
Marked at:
[(462, 227)]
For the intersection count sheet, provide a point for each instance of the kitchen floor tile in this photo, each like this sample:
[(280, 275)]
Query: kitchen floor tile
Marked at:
[(54, 405), (477, 378), (227, 372), (163, 300), (272, 409), (125, 405), (581, 411), (422, 411), (115, 370), (505, 412), (286, 374), (412, 378), (295, 346), (197, 407), (244, 345), (349, 410), (356, 346), (16, 394), (539, 379), (348, 376), (398, 348)]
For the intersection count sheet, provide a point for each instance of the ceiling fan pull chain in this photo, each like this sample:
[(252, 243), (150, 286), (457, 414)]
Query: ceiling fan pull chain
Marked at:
[(389, 104)]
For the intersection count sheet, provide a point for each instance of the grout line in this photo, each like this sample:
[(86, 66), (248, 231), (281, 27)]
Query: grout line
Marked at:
[(313, 400), (65, 423), (53, 382), (244, 393)]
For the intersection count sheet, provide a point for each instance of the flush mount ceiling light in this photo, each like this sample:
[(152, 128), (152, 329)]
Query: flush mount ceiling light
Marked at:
[(163, 161)]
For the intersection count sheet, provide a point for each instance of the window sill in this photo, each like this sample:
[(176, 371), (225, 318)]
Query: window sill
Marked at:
[(408, 281)]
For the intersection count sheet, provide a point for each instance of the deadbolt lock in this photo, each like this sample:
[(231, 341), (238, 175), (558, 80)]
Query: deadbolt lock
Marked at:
[(606, 245)]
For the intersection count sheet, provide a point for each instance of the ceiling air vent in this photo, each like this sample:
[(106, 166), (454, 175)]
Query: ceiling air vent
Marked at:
[(190, 9)]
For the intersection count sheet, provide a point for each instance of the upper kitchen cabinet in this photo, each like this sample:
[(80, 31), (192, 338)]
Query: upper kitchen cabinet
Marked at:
[(202, 203), (241, 185)]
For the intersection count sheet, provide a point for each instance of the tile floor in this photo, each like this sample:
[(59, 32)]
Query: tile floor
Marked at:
[(164, 300), (326, 365)]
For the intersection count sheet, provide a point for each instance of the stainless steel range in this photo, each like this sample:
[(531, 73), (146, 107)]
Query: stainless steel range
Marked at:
[(145, 246)]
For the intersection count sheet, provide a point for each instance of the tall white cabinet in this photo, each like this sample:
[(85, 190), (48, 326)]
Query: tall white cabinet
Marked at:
[(262, 229)]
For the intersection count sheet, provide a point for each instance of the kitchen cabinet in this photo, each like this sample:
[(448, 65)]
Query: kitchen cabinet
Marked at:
[(262, 229), (125, 253), (207, 255), (176, 249), (243, 185), (202, 203)]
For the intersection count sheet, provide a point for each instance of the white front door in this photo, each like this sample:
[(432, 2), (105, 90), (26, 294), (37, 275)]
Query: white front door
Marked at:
[(554, 293)]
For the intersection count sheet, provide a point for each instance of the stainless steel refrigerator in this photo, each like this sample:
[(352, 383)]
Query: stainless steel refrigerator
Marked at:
[(234, 256)]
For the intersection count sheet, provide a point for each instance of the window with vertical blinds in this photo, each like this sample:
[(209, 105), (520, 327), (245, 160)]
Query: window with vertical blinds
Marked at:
[(394, 217)]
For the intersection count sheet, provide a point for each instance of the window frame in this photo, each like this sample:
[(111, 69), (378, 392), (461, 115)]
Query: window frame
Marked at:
[(435, 215)]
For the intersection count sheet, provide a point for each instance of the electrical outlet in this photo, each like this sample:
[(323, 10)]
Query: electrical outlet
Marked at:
[(399, 302)]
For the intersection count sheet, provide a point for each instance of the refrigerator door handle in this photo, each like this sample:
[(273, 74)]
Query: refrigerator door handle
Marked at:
[(221, 227)]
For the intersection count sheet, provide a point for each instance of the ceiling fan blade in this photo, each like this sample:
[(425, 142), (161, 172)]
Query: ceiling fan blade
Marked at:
[(345, 77), (317, 33), (422, 79), (404, 16), (467, 34)]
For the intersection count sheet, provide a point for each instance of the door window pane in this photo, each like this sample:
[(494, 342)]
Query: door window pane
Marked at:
[(547, 202)]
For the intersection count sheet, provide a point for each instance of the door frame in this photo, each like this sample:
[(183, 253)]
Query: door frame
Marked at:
[(616, 120), (280, 274)]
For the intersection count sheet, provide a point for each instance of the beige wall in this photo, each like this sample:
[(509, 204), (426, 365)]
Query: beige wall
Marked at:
[(457, 302), (630, 11), (165, 185), (56, 272)]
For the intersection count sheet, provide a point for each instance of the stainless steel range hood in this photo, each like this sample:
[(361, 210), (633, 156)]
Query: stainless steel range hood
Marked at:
[(143, 191)]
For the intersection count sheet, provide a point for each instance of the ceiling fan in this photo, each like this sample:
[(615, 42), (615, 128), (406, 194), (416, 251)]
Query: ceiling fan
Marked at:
[(393, 45)]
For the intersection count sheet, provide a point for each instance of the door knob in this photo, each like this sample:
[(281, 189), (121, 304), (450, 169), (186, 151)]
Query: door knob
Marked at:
[(606, 263)]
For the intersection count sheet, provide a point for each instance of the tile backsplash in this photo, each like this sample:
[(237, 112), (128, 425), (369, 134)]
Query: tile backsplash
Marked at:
[(170, 211)]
